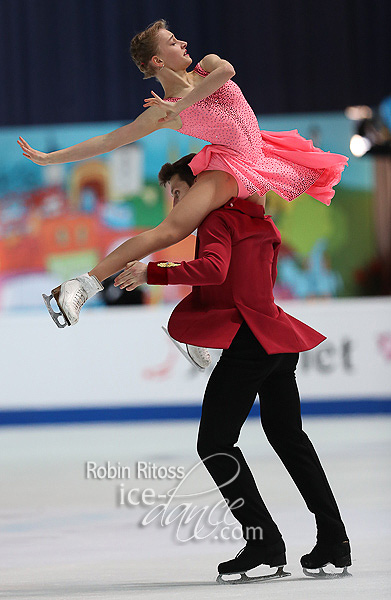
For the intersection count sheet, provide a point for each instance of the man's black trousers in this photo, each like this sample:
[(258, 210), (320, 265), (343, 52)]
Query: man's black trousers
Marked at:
[(243, 371)]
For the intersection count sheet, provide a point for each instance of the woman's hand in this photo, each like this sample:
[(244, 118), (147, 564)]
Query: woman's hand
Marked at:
[(134, 274), (39, 158), (170, 108)]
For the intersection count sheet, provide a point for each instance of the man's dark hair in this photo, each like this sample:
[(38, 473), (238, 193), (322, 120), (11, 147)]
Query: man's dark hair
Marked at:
[(179, 167)]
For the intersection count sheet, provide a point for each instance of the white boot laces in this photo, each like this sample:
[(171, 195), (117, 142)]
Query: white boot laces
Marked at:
[(79, 299), (204, 353)]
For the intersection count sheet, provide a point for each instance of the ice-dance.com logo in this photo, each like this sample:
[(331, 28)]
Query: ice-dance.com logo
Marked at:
[(175, 508)]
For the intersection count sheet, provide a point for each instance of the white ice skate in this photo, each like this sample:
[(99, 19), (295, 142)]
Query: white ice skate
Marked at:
[(197, 356), (70, 297)]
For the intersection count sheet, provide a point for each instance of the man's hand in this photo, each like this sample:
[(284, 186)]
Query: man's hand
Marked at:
[(134, 274)]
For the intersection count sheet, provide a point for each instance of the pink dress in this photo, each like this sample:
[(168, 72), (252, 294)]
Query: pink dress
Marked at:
[(260, 161)]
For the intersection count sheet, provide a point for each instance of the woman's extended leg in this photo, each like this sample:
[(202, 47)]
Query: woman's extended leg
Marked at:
[(211, 190)]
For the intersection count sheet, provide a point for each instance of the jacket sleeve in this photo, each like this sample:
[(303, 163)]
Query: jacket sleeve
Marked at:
[(210, 268)]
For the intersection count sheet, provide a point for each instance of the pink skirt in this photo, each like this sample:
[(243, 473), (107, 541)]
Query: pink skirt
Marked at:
[(286, 163)]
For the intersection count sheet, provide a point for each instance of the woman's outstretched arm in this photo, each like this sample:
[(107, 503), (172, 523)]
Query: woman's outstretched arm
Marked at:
[(211, 190), (146, 123)]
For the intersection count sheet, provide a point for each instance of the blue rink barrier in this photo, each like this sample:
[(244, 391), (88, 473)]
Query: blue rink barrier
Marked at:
[(110, 414)]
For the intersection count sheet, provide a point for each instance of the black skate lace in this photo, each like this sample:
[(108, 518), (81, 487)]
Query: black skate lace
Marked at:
[(79, 299)]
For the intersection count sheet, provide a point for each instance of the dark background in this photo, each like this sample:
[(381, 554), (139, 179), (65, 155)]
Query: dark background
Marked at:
[(68, 60)]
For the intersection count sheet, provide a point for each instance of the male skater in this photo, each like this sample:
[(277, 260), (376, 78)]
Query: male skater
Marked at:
[(231, 306)]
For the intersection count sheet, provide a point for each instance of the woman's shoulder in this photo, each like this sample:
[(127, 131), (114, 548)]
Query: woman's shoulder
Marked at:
[(208, 64), (199, 70), (211, 62)]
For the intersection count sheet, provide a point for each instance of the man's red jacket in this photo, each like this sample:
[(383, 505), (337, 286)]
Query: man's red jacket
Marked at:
[(233, 276)]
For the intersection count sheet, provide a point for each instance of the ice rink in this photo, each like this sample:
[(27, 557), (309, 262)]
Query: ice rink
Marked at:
[(66, 536)]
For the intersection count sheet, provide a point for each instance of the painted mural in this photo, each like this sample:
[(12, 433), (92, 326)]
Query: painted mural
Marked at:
[(59, 221)]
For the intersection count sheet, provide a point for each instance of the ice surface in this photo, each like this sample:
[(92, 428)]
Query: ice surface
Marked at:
[(63, 536)]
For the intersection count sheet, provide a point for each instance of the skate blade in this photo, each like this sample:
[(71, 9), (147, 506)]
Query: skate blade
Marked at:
[(321, 574), (182, 351), (246, 579), (55, 315)]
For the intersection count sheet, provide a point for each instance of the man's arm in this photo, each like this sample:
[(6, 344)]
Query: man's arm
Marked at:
[(210, 269)]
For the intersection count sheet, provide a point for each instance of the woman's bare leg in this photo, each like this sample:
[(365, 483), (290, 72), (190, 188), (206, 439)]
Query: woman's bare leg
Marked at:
[(211, 190)]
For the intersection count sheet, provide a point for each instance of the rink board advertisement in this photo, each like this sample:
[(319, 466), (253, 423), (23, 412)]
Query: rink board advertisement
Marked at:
[(117, 364)]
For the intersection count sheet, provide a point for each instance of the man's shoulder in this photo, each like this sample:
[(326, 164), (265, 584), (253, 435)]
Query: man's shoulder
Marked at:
[(224, 213), (219, 216)]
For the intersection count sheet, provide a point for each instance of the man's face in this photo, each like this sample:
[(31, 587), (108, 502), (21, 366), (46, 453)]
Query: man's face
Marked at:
[(178, 188)]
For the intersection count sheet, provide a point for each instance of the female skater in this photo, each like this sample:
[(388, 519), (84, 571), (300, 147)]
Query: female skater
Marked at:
[(241, 161)]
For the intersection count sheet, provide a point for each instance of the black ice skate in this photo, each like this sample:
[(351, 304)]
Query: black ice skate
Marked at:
[(324, 554), (251, 556)]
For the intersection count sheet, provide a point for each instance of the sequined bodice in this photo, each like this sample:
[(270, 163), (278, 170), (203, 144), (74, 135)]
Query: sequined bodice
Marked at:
[(225, 118), (260, 161)]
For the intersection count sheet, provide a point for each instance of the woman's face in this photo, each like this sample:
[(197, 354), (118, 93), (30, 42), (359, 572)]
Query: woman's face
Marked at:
[(172, 52)]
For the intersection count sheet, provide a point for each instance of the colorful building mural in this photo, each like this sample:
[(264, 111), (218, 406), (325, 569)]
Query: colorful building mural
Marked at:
[(58, 221)]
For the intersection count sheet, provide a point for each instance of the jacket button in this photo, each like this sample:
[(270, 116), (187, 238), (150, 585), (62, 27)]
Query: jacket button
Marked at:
[(231, 204)]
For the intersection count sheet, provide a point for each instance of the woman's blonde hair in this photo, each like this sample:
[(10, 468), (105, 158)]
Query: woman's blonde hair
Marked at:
[(144, 45)]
